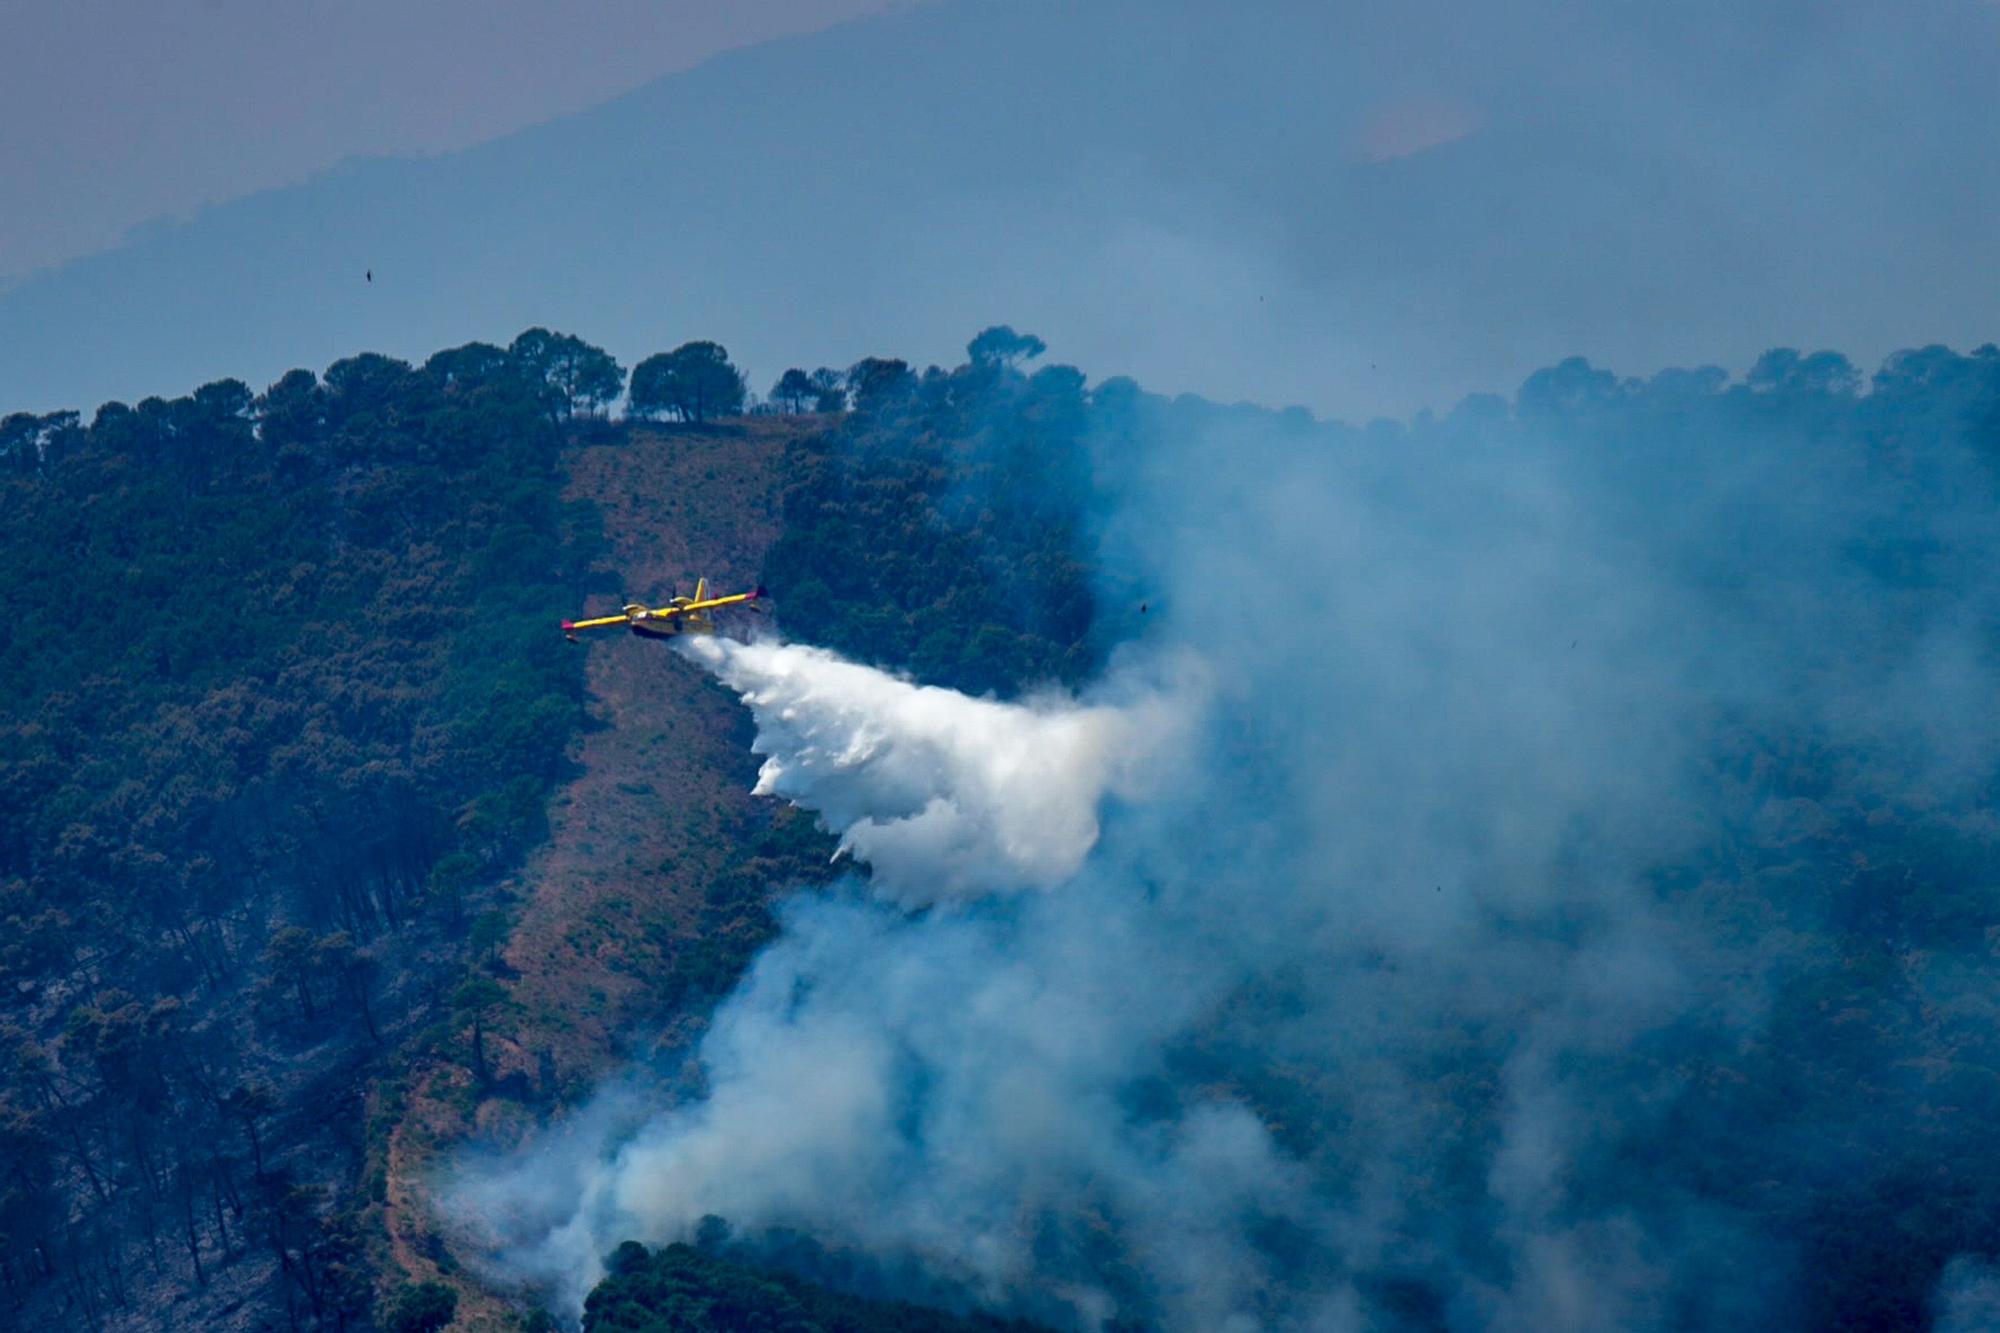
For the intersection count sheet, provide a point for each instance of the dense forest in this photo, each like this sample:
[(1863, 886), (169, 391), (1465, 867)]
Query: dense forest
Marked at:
[(940, 527), (1825, 1158), (284, 705), (281, 703), (284, 710), (1821, 522), (680, 1289)]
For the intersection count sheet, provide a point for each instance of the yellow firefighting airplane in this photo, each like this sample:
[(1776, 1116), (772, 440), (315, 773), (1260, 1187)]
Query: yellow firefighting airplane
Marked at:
[(681, 615)]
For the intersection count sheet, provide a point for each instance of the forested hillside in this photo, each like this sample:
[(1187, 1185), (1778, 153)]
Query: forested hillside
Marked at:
[(1826, 1160), (284, 707), (321, 854), (1799, 1135), (941, 527), (281, 705)]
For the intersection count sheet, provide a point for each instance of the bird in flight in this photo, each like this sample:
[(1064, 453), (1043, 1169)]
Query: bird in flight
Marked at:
[(371, 275)]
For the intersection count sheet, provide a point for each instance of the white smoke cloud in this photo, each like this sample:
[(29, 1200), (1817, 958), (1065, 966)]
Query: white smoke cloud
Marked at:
[(936, 1087), (940, 1090), (1967, 1299), (945, 796), (1373, 962)]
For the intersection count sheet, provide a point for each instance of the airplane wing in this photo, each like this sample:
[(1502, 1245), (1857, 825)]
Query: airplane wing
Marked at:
[(734, 599), (598, 622), (637, 616)]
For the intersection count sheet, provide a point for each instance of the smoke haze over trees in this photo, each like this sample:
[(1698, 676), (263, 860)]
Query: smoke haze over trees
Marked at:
[(1574, 908), (1566, 897)]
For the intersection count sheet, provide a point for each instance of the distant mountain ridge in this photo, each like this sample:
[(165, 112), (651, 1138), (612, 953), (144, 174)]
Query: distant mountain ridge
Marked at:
[(1314, 203)]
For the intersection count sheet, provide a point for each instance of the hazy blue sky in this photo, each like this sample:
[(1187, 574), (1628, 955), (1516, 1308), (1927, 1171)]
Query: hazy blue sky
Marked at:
[(1360, 208), (117, 111)]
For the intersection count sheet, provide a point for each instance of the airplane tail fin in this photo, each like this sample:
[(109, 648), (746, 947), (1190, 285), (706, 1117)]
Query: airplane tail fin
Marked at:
[(701, 589)]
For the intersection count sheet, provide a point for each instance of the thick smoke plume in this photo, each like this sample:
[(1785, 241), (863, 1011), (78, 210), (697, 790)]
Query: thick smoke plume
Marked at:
[(944, 796), (1470, 962)]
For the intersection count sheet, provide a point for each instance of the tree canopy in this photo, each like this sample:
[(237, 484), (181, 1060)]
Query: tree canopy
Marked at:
[(941, 528), (678, 1289), (425, 1307), (1000, 345), (576, 378), (794, 390), (221, 813), (693, 383)]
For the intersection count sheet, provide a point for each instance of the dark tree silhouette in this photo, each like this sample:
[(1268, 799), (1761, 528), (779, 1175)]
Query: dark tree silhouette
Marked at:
[(830, 390), (693, 383), (794, 390), (1000, 345), (475, 1001), (578, 379), (471, 365), (876, 381), (1783, 369)]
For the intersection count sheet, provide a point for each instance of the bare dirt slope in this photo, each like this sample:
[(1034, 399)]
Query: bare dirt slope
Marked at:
[(660, 796), (665, 778)]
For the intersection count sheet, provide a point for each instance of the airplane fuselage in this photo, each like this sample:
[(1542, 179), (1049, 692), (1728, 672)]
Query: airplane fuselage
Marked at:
[(670, 621), (681, 615)]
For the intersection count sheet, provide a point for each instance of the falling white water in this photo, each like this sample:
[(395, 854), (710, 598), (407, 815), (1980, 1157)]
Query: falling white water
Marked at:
[(945, 796)]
